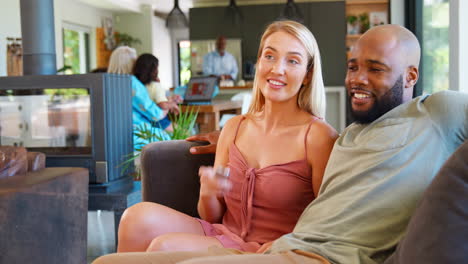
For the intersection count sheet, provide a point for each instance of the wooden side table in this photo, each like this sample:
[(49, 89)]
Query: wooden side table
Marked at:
[(210, 114)]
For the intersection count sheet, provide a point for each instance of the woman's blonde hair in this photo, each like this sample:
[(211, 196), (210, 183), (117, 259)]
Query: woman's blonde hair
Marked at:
[(122, 60), (311, 96)]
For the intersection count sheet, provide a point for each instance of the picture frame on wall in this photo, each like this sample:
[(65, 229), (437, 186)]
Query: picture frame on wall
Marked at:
[(378, 18)]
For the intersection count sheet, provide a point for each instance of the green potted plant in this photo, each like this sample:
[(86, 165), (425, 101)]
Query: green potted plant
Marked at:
[(364, 22), (352, 24), (124, 39), (182, 124)]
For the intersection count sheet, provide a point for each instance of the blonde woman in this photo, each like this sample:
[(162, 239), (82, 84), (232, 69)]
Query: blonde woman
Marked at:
[(276, 155), (145, 111)]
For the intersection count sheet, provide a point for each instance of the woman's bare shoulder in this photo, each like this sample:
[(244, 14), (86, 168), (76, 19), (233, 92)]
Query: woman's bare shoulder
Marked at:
[(229, 130), (322, 133), (232, 124)]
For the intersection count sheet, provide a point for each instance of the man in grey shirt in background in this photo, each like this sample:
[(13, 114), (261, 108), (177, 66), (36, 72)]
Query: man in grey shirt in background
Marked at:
[(378, 169)]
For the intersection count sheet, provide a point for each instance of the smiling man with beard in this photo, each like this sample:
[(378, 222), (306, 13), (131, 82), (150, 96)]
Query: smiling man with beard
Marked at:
[(391, 99), (378, 169), (378, 79)]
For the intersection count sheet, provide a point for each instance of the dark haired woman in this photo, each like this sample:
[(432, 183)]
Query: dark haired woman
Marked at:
[(146, 70)]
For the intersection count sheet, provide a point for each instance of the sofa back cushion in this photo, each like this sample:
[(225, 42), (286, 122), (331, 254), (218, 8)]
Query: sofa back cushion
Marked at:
[(438, 231)]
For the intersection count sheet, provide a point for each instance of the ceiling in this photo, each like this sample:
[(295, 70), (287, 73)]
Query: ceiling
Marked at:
[(165, 6)]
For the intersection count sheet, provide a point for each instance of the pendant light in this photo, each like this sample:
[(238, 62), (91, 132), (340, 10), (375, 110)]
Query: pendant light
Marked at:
[(233, 13), (176, 18), (291, 11)]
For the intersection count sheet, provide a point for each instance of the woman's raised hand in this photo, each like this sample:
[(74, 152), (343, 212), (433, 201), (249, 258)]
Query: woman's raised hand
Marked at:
[(214, 182)]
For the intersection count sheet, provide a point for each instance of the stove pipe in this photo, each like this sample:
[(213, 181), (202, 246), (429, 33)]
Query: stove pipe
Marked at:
[(38, 37)]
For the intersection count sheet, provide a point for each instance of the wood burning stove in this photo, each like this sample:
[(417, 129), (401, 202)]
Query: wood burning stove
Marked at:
[(76, 120)]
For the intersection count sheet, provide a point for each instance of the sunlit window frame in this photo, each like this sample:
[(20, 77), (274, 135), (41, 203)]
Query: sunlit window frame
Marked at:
[(85, 64), (458, 58)]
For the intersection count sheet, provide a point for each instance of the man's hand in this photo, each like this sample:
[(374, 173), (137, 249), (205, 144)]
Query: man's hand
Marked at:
[(211, 137)]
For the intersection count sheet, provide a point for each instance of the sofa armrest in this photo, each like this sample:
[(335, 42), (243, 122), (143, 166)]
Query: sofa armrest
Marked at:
[(43, 216), (170, 174)]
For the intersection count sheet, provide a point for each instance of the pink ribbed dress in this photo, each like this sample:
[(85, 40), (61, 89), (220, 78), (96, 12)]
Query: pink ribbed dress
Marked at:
[(263, 204)]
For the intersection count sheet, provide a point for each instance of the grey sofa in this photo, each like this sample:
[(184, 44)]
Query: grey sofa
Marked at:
[(437, 233)]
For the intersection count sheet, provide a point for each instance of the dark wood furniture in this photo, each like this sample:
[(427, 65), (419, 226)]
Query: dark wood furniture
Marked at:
[(209, 115)]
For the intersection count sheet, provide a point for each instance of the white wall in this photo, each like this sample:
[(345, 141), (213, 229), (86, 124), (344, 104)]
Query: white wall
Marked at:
[(137, 25), (65, 11), (162, 50), (463, 43), (10, 26), (458, 67), (397, 12), (155, 37)]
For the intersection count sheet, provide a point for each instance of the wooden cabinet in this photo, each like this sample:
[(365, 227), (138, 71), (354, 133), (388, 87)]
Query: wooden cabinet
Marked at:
[(102, 53), (364, 14)]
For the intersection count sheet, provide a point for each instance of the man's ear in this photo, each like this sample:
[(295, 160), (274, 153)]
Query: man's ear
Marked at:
[(412, 76)]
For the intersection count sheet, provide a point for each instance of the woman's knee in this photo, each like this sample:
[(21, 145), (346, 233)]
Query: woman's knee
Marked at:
[(151, 217), (136, 213), (140, 218)]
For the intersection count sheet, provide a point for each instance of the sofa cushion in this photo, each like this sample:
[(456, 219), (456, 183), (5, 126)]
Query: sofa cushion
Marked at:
[(13, 160), (438, 231)]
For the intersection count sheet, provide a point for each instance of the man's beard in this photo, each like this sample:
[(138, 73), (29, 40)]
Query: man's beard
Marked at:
[(391, 99)]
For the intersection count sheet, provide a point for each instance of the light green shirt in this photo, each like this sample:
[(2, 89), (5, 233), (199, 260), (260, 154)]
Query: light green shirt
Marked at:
[(156, 92), (375, 177)]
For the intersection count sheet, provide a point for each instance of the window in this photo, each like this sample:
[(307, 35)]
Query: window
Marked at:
[(435, 45), (75, 49), (184, 62)]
